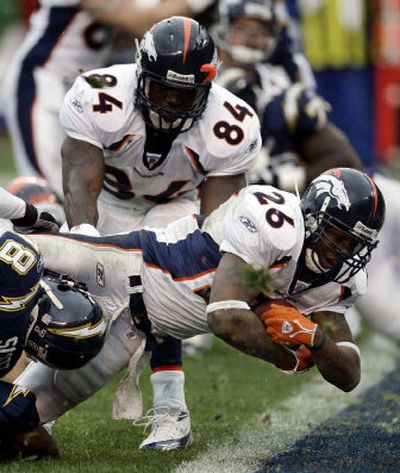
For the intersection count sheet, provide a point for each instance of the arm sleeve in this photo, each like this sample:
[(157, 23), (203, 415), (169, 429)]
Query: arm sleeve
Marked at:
[(17, 409), (11, 206), (76, 115), (294, 115)]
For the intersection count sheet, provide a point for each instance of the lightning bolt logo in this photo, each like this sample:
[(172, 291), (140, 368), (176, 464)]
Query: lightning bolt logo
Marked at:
[(15, 392), (13, 304), (85, 331)]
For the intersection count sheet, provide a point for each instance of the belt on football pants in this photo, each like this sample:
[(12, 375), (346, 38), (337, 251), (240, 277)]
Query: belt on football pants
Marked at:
[(139, 312)]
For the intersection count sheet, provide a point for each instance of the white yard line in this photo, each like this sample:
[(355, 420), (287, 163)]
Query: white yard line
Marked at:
[(294, 418)]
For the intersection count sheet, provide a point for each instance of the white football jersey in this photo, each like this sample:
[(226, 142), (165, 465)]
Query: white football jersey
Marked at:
[(224, 141), (176, 264), (263, 226)]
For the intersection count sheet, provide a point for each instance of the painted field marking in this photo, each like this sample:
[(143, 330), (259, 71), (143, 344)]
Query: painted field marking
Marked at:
[(294, 418)]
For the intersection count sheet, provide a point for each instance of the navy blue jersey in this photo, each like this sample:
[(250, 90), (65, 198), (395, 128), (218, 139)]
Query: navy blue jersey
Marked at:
[(21, 268)]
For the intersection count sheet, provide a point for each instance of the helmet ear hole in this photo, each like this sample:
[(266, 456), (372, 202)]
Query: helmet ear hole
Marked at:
[(67, 326)]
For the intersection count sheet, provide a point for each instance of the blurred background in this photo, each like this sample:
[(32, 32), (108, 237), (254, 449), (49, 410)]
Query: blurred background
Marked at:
[(352, 47)]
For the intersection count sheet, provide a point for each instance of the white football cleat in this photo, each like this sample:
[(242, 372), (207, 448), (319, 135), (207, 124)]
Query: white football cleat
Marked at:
[(170, 429)]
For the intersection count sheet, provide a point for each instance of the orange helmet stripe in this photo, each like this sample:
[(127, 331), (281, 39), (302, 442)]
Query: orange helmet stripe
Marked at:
[(375, 192), (187, 27)]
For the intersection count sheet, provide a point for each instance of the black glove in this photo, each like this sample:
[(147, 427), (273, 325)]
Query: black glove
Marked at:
[(33, 222)]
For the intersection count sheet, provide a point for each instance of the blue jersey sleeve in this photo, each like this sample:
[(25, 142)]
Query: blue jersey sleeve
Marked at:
[(292, 117), (21, 269), (17, 409)]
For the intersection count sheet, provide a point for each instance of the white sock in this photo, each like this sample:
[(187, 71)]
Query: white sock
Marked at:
[(169, 389)]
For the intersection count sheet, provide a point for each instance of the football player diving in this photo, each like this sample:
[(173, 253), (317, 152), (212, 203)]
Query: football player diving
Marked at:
[(43, 316), (269, 273)]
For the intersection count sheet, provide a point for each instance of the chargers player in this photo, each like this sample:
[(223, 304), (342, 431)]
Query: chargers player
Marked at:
[(195, 276), (144, 142), (64, 38), (24, 299), (263, 66)]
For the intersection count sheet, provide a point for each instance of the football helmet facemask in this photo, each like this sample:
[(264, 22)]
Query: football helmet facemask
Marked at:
[(343, 211), (262, 10), (67, 327), (176, 63)]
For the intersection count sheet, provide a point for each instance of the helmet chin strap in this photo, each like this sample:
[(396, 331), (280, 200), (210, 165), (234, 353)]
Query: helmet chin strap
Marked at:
[(245, 55), (312, 262)]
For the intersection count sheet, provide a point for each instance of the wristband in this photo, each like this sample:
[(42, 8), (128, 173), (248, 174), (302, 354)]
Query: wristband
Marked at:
[(226, 305), (316, 347), (30, 217)]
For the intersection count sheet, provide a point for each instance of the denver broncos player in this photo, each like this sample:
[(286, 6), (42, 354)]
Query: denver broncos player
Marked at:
[(264, 69), (64, 38), (195, 276), (144, 142)]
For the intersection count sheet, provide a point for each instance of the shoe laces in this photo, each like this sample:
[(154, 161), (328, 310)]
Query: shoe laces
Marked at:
[(156, 417)]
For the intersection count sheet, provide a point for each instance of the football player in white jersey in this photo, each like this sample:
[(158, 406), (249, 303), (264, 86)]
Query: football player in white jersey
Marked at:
[(262, 65), (196, 275), (144, 142), (64, 38)]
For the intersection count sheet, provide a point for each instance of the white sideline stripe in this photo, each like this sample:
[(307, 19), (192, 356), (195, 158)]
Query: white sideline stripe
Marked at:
[(294, 418)]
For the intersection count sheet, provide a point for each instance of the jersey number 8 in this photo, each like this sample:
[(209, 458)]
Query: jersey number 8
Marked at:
[(18, 256)]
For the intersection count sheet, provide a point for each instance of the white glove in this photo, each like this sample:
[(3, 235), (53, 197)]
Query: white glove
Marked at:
[(85, 229)]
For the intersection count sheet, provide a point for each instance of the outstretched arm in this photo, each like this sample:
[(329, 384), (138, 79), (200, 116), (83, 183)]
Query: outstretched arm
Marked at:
[(240, 327), (325, 149)]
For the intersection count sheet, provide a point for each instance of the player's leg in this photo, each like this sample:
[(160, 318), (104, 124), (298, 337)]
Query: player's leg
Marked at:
[(34, 99), (170, 416), (58, 391)]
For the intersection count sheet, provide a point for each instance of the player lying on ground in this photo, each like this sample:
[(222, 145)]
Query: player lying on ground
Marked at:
[(313, 250), (34, 318)]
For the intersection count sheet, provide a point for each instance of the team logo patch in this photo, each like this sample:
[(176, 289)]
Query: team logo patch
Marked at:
[(334, 187), (251, 227), (287, 327), (148, 46), (100, 275), (77, 105)]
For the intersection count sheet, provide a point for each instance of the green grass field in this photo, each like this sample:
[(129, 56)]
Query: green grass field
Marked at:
[(224, 388)]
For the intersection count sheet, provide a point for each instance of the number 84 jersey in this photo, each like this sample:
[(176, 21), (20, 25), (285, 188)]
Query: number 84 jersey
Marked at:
[(144, 168)]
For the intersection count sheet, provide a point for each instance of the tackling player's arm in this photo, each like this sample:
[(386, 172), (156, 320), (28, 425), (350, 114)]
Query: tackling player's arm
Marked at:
[(127, 14), (218, 189), (83, 173), (325, 149), (230, 320)]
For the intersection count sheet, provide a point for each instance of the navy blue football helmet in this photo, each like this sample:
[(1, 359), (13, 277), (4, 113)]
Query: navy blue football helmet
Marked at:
[(176, 63), (350, 202), (67, 327)]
